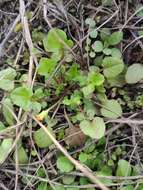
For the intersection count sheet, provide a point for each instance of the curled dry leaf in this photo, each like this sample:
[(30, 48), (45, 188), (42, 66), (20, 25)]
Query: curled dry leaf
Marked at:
[(42, 115), (74, 136), (39, 118)]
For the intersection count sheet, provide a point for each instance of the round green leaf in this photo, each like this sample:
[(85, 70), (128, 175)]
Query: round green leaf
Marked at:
[(55, 39), (6, 79), (88, 90), (97, 46), (22, 156), (7, 109), (112, 66), (64, 165), (134, 73), (111, 109), (21, 97), (4, 149), (68, 179), (94, 78), (116, 52), (92, 54), (107, 51), (115, 38), (41, 138), (93, 33), (124, 168), (95, 129), (83, 157), (46, 66)]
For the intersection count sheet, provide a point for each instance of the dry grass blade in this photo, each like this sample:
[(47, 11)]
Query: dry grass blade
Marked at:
[(10, 30), (8, 35), (126, 121), (28, 40)]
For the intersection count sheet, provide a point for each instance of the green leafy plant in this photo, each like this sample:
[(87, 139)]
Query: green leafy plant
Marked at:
[(112, 66), (46, 66), (26, 99), (124, 168), (115, 38), (112, 109), (64, 165), (7, 79), (94, 129), (41, 138), (134, 73), (7, 108), (5, 147), (21, 97), (22, 155), (56, 42), (105, 43), (67, 179), (108, 70), (87, 94)]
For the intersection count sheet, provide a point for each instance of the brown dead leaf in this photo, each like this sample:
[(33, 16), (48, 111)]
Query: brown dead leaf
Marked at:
[(39, 118), (74, 136)]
